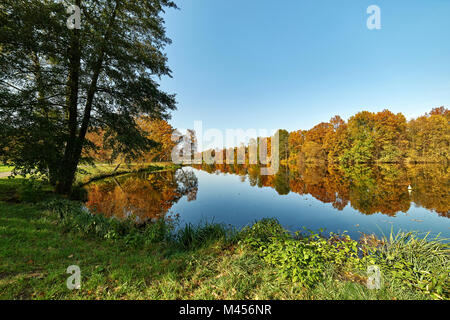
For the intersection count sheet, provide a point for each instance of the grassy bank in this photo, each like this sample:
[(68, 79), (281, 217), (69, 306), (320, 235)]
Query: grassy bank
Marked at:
[(23, 189), (100, 171), (5, 169), (119, 260)]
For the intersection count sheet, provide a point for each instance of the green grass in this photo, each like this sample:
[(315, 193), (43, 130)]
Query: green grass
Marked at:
[(24, 190), (120, 261), (5, 169)]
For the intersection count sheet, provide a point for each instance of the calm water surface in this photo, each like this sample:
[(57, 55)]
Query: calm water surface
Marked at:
[(357, 200)]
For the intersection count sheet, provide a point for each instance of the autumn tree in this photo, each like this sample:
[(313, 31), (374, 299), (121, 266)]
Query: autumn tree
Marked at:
[(296, 140), (159, 131), (313, 147), (95, 147), (429, 137), (283, 136), (390, 136), (361, 129), (336, 141)]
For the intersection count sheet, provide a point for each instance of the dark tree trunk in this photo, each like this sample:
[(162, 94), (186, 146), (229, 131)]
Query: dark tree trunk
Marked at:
[(67, 177), (75, 142), (69, 163)]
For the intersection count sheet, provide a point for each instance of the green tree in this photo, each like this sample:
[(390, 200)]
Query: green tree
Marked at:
[(361, 129), (56, 83), (283, 144)]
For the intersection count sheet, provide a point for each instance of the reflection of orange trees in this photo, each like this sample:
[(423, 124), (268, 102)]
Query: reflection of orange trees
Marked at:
[(378, 190), (145, 198), (386, 189), (430, 188), (324, 185), (134, 196)]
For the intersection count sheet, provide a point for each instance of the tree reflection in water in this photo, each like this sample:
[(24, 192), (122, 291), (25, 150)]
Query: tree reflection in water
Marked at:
[(386, 188), (144, 196)]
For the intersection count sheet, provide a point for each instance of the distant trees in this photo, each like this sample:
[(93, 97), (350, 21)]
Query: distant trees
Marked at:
[(367, 137), (336, 141), (159, 131), (375, 137), (283, 136), (296, 140)]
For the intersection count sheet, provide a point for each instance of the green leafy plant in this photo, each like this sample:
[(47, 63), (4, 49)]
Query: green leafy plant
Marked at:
[(262, 232), (297, 260)]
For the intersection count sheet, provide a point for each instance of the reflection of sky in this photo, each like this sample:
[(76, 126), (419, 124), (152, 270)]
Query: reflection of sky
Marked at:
[(224, 198)]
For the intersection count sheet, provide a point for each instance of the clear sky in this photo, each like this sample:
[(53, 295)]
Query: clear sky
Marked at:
[(294, 63)]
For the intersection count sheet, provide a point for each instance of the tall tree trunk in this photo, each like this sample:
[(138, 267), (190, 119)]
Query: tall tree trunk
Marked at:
[(75, 144), (68, 166)]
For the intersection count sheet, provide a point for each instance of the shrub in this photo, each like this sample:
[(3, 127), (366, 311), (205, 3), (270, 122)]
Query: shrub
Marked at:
[(262, 232)]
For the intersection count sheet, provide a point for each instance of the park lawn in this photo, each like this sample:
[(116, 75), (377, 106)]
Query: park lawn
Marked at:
[(5, 169)]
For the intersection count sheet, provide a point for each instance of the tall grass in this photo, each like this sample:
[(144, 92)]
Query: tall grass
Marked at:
[(417, 262), (74, 217), (194, 236)]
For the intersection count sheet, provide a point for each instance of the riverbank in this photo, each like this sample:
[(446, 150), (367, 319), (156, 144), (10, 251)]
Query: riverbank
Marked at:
[(89, 174), (122, 261), (5, 169)]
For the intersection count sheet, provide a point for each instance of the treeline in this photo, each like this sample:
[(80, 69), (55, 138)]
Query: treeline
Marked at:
[(372, 137), (367, 137)]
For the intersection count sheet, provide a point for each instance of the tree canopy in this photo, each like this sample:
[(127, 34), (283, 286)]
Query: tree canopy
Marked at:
[(57, 83)]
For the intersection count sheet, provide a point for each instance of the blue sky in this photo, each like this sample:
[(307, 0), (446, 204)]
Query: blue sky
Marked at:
[(294, 63)]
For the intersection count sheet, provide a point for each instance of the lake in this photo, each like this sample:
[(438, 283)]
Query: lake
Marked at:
[(359, 199)]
